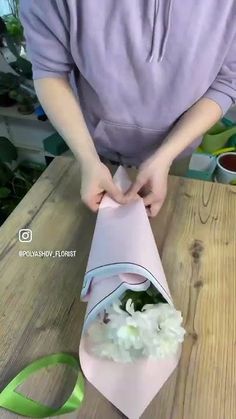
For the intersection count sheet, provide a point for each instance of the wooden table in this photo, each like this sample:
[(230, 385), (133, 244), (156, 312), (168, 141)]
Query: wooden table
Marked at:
[(41, 313)]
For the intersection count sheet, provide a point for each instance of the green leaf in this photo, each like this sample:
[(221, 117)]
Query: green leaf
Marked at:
[(20, 187), (13, 94), (4, 192), (8, 151), (9, 80), (6, 175), (141, 298), (9, 204)]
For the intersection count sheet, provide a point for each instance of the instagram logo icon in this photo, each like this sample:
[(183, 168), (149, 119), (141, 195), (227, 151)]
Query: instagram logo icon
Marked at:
[(25, 235)]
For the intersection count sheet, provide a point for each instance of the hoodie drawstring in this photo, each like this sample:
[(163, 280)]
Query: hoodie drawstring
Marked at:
[(153, 43), (162, 50)]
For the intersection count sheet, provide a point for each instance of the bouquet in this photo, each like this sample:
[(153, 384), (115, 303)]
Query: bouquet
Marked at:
[(139, 325), (132, 334)]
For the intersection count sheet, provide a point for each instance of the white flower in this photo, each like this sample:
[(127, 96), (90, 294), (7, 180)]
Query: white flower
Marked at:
[(164, 333), (97, 331), (110, 350), (121, 329), (153, 332), (103, 343)]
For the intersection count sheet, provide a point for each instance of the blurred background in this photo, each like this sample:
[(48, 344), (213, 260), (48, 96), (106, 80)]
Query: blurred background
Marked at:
[(28, 142)]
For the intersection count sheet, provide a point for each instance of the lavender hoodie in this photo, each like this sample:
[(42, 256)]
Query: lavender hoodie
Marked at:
[(138, 65)]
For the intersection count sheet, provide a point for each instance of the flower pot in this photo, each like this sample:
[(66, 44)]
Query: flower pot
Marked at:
[(226, 168), (217, 137), (25, 109), (202, 166)]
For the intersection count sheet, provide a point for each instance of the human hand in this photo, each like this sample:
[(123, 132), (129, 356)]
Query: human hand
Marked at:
[(96, 180), (151, 183)]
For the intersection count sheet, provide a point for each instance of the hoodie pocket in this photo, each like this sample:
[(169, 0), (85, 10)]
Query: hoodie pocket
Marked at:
[(128, 141)]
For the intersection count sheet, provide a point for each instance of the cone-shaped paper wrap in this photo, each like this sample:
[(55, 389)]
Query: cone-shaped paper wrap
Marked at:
[(123, 256)]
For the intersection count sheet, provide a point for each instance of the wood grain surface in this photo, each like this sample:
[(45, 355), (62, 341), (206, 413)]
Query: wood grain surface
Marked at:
[(41, 312)]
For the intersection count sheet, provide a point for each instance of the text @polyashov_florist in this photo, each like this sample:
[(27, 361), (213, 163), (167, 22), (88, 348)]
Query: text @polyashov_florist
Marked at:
[(48, 253)]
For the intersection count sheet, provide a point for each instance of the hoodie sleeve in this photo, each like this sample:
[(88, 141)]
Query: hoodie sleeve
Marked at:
[(223, 89), (46, 28)]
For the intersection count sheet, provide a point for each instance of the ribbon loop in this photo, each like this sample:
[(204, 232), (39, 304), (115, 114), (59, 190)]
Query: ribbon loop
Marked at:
[(17, 403)]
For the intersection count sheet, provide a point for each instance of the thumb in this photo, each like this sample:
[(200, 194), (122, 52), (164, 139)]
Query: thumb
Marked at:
[(135, 188), (154, 209), (115, 193)]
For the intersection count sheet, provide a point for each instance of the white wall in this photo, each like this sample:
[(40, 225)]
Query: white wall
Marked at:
[(27, 136)]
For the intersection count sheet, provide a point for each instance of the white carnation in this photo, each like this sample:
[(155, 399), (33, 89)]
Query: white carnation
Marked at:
[(155, 332), (165, 332)]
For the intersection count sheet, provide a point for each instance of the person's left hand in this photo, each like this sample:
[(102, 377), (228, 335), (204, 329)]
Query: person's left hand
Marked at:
[(151, 183)]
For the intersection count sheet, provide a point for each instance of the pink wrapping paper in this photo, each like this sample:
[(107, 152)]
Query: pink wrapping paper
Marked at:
[(123, 256)]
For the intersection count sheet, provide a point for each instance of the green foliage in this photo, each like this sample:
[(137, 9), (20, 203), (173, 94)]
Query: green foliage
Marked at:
[(9, 82), (14, 183), (141, 298), (23, 67), (4, 192), (12, 32), (14, 28), (21, 97), (10, 85), (24, 101), (6, 174), (8, 151)]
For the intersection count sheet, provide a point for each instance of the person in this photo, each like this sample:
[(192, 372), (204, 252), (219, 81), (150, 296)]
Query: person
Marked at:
[(137, 82)]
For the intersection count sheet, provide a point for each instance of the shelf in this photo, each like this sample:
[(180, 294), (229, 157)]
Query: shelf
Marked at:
[(12, 112)]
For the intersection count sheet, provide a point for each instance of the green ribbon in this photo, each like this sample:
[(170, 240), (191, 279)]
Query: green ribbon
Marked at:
[(17, 403)]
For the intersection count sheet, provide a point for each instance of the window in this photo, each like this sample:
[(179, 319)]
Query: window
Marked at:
[(4, 8)]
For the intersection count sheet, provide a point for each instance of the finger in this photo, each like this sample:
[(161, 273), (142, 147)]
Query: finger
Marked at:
[(135, 188), (93, 206), (154, 209), (148, 211), (149, 199), (93, 202), (99, 198), (144, 191), (115, 193)]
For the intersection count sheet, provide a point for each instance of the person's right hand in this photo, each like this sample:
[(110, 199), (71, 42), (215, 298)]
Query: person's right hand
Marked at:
[(96, 180)]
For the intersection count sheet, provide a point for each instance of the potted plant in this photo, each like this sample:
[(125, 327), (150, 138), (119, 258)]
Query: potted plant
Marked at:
[(12, 36), (14, 28), (8, 83), (15, 179), (13, 23), (24, 101), (11, 93)]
